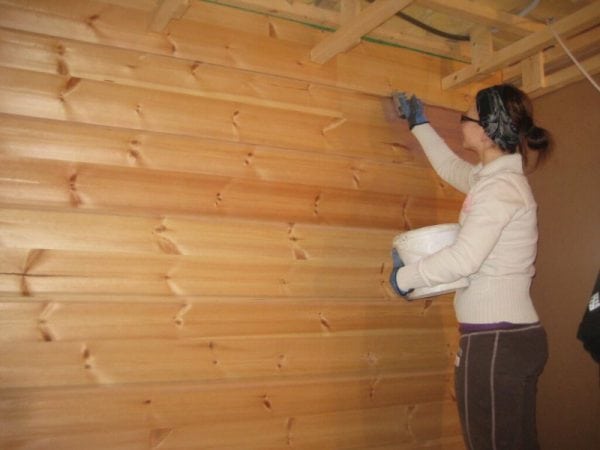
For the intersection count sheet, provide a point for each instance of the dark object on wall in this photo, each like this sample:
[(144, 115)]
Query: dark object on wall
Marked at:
[(589, 328)]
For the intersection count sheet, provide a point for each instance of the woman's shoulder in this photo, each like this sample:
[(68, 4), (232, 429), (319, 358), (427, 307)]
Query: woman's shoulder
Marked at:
[(510, 187)]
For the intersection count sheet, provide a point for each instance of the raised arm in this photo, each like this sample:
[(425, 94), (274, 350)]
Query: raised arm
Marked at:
[(446, 163), (450, 167)]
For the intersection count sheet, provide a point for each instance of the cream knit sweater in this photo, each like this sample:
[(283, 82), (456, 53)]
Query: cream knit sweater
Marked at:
[(496, 245)]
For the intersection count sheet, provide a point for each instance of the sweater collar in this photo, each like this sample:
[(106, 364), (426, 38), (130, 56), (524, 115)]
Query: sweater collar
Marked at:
[(505, 163)]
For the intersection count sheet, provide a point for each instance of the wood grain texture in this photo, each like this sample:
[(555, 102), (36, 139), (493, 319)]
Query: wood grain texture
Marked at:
[(195, 229), (99, 23), (22, 137), (274, 408), (97, 317)]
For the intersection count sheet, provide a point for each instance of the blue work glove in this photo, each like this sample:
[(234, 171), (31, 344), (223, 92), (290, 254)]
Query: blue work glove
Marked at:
[(398, 264), (409, 109)]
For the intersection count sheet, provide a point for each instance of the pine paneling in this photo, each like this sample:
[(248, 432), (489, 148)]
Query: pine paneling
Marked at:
[(109, 189), (78, 317), (195, 228), (44, 139)]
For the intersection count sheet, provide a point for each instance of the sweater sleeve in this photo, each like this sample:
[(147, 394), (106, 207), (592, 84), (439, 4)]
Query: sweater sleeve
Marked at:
[(446, 163), (490, 209)]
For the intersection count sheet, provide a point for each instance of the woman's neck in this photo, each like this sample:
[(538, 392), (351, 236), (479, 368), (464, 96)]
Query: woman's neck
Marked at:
[(490, 154)]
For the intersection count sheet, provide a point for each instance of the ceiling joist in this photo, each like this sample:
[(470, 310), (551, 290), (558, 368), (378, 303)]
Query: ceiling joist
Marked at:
[(583, 44), (484, 15), (577, 22), (567, 76), (347, 35), (524, 50), (389, 32)]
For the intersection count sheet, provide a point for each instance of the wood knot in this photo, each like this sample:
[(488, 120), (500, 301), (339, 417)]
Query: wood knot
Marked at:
[(324, 322), (195, 66), (281, 362), (62, 68), (267, 403), (160, 229), (90, 20), (134, 154)]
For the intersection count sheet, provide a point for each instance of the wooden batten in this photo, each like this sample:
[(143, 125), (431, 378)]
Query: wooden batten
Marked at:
[(532, 70), (564, 77), (372, 16), (77, 317), (571, 25), (484, 15), (481, 44), (555, 57)]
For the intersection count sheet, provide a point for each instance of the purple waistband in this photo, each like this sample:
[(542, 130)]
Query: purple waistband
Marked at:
[(474, 327)]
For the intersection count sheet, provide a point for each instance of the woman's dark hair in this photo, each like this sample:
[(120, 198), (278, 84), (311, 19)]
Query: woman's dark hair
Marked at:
[(506, 114)]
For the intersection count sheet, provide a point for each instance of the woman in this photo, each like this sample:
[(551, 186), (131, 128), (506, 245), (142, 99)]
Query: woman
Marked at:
[(503, 346)]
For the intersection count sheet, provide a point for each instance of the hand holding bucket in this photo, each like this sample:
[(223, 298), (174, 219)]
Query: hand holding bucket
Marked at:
[(414, 245)]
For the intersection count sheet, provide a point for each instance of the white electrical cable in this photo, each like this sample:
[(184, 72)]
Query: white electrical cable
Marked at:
[(529, 8), (577, 63)]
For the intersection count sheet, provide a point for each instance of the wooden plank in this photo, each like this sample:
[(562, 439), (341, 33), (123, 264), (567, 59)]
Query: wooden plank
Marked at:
[(270, 434), (58, 411), (111, 189), (131, 68), (62, 252), (532, 70), (93, 363), (567, 76), (214, 238), (485, 15), (348, 10), (166, 10), (584, 18), (424, 429), (103, 273), (63, 98), (33, 52), (22, 137), (371, 17), (382, 424), (208, 237), (102, 318), (481, 45), (583, 43)]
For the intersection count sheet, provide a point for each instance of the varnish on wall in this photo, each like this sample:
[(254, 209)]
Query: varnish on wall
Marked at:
[(195, 232)]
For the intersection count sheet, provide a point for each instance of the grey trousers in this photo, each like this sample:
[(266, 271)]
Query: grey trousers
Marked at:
[(496, 377)]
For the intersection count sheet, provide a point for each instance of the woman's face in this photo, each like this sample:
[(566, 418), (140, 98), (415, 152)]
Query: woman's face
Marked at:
[(472, 131)]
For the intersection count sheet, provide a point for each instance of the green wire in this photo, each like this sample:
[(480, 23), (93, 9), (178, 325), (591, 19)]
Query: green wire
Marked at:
[(331, 29)]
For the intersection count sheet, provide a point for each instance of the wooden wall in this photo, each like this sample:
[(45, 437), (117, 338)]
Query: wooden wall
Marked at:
[(195, 229)]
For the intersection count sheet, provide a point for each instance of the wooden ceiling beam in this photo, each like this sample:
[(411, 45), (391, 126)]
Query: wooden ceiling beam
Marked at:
[(586, 42), (533, 74), (566, 76), (349, 9), (165, 11), (483, 15), (345, 37), (391, 33), (577, 22)]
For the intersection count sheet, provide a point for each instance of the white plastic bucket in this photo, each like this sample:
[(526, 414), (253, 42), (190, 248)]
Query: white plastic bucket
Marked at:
[(414, 245)]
